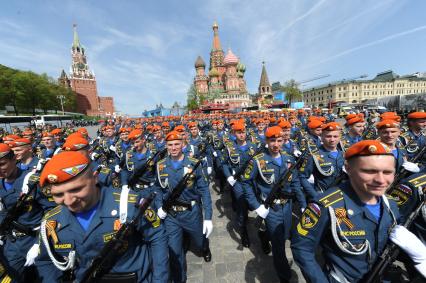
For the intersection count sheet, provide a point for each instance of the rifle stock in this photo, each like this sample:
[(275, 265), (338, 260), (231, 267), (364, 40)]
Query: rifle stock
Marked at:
[(111, 252)]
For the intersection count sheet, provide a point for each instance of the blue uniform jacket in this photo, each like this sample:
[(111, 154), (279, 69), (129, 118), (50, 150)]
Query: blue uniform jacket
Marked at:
[(262, 173), (357, 225), (233, 153), (30, 166), (408, 195), (198, 190), (147, 252), (328, 164)]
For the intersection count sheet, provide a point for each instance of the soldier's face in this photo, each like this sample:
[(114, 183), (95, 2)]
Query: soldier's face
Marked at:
[(261, 126), (357, 129), (370, 176), (194, 131), (47, 141), (124, 136), (275, 144), (175, 148), (330, 139), (22, 152), (417, 124), (316, 132), (389, 136), (109, 132), (240, 135), (78, 194), (139, 143), (7, 167), (286, 133)]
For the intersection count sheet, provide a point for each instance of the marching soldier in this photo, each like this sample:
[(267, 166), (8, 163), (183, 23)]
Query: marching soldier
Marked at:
[(49, 145), (414, 139), (23, 151), (355, 125), (87, 217), (187, 214), (236, 154), (323, 165), (351, 221), (19, 236), (262, 173)]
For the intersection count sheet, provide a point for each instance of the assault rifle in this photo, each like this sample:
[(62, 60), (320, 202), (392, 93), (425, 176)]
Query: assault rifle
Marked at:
[(390, 252), (282, 182), (149, 163), (177, 191), (243, 168), (112, 250), (10, 220)]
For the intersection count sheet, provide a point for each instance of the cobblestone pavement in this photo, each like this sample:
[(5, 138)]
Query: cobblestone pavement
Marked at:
[(230, 261)]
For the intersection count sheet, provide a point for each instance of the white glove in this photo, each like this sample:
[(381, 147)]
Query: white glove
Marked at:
[(25, 187), (214, 153), (262, 211), (93, 155), (32, 254), (207, 227), (231, 180), (117, 168), (302, 209), (209, 170), (161, 213), (410, 166), (297, 153), (408, 242), (125, 187), (111, 147), (40, 164), (344, 169), (311, 179)]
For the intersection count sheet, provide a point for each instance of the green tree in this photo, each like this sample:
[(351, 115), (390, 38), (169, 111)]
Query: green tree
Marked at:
[(192, 98), (292, 91)]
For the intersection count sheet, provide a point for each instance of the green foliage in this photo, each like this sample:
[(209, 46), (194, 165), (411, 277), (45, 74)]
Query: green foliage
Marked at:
[(192, 98), (292, 91), (28, 92)]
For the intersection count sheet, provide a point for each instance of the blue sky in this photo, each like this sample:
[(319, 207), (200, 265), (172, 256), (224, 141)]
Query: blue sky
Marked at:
[(143, 52)]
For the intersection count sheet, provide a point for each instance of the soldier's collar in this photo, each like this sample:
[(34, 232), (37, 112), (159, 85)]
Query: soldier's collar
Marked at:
[(353, 204)]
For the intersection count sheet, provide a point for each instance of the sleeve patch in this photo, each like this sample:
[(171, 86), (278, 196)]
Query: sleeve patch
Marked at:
[(401, 194), (332, 198), (152, 217)]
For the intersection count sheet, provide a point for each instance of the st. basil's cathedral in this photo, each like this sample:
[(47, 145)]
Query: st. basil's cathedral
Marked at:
[(224, 86)]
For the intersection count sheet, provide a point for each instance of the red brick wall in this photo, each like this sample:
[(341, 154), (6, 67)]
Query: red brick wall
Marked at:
[(87, 95)]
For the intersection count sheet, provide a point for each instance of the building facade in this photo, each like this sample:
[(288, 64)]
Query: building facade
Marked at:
[(358, 91), (83, 82), (224, 83), (160, 110)]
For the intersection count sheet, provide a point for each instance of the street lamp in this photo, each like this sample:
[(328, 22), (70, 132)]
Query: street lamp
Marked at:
[(61, 99)]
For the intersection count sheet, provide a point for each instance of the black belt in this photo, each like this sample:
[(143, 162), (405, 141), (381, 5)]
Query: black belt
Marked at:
[(119, 278)]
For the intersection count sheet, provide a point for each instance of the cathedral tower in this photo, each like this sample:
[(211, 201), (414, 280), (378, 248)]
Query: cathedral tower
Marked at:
[(201, 79), (265, 89)]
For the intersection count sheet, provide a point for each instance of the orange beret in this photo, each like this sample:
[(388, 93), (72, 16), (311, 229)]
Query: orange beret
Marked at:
[(368, 147), (355, 119), (332, 126), (390, 116), (47, 134), (284, 124), (272, 120), (192, 124), (156, 128), (165, 124), (179, 128), (75, 143), (83, 131), (387, 124), (274, 132), (109, 127), (238, 126), (135, 134), (63, 167), (27, 133), (56, 131), (314, 124), (173, 135), (417, 115), (4, 150), (11, 137), (350, 116), (20, 142)]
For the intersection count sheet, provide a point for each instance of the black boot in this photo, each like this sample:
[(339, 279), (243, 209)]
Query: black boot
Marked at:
[(207, 255), (245, 240), (266, 246)]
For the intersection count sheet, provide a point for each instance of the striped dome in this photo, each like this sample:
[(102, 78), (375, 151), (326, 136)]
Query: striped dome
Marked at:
[(230, 58)]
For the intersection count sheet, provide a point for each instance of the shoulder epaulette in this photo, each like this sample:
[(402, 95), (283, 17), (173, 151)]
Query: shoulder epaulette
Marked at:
[(418, 181), (132, 198), (332, 198), (192, 159), (52, 212), (105, 170), (260, 155)]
